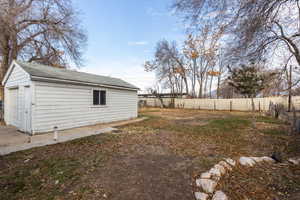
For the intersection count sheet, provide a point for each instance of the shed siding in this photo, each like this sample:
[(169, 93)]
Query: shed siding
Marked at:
[(18, 78), (68, 106)]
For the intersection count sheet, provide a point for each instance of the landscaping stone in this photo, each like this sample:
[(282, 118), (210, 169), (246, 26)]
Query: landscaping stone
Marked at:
[(207, 185), (257, 159), (208, 180), (226, 165), (268, 159), (201, 196), (206, 175), (261, 159), (219, 195), (230, 161), (220, 168), (295, 161), (247, 161), (215, 173)]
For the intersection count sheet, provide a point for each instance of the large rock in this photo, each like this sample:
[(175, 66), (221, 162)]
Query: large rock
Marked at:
[(257, 159), (225, 165), (206, 175), (219, 195), (263, 159), (207, 185), (230, 161), (220, 168), (295, 161), (268, 159), (247, 161), (201, 196), (215, 173)]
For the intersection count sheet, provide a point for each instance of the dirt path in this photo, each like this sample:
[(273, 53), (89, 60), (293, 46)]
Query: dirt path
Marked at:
[(149, 176)]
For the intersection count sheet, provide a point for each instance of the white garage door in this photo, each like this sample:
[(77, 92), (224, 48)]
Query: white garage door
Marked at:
[(13, 107)]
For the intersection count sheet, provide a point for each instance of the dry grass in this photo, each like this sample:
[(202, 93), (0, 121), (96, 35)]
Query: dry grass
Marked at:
[(264, 181), (154, 159)]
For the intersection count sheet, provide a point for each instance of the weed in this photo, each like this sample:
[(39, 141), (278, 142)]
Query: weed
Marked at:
[(274, 132), (269, 120)]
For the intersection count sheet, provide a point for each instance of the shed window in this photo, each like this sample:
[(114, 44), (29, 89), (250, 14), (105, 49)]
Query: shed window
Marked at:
[(99, 97)]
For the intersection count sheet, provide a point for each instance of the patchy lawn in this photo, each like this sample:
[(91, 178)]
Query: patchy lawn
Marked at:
[(158, 158)]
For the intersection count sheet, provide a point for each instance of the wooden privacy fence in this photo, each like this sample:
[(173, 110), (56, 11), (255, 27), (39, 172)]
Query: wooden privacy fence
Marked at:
[(238, 104)]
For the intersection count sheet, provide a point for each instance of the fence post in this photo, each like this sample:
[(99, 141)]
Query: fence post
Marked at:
[(214, 105), (230, 106)]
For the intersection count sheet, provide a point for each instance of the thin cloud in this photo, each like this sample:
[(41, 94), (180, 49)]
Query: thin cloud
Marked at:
[(158, 13), (130, 70), (138, 43)]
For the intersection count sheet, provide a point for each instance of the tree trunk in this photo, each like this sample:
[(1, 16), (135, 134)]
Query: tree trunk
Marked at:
[(205, 86), (211, 80), (5, 56), (186, 85), (290, 89), (218, 86), (4, 67), (194, 78), (181, 86), (200, 80)]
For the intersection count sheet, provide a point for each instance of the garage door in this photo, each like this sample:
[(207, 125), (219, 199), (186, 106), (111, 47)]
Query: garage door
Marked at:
[(13, 107)]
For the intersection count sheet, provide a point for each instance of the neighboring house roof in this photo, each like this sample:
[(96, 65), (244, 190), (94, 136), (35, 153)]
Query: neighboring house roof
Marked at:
[(44, 71)]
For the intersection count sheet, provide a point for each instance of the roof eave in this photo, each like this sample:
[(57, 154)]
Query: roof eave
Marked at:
[(55, 80), (8, 72)]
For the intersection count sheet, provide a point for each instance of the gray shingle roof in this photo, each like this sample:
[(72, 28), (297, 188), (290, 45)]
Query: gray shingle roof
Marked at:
[(45, 71)]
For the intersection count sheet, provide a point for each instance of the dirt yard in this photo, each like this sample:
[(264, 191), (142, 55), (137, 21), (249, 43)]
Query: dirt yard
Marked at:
[(158, 158)]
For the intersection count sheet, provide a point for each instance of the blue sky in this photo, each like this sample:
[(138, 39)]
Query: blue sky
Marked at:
[(123, 34)]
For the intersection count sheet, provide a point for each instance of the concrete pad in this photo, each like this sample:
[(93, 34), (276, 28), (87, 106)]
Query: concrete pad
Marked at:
[(9, 135), (49, 140), (11, 140)]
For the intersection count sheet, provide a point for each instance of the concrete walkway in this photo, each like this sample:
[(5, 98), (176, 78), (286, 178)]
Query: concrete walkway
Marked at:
[(12, 141), (9, 135)]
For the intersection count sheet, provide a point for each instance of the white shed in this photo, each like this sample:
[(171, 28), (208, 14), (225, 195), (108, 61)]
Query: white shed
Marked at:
[(37, 98)]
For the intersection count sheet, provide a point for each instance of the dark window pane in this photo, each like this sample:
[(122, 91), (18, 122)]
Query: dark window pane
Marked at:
[(96, 97), (103, 97)]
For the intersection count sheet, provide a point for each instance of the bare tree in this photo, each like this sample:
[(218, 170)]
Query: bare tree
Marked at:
[(201, 13), (265, 26), (191, 51), (256, 28), (227, 91), (155, 91), (45, 31), (169, 66), (202, 49), (221, 69)]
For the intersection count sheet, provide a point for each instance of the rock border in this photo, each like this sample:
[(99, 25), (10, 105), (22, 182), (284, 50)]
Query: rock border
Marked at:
[(209, 179)]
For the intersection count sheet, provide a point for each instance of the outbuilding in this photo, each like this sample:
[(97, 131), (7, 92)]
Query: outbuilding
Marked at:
[(38, 98)]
